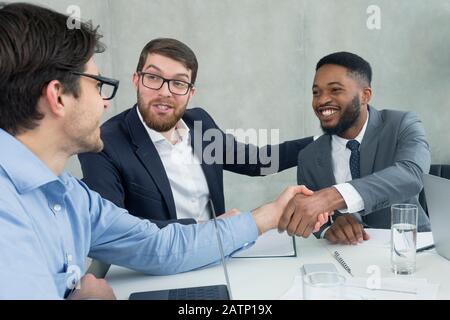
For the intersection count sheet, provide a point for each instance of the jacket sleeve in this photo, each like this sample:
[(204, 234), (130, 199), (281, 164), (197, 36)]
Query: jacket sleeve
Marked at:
[(402, 180), (302, 180), (250, 160), (101, 174)]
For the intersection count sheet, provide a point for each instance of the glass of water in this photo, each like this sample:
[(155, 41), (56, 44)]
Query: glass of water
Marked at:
[(323, 286), (403, 238)]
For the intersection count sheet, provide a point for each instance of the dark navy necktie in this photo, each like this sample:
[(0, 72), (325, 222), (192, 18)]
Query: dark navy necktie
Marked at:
[(353, 145)]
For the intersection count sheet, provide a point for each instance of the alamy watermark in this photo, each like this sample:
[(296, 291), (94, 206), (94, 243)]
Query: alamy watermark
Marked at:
[(374, 19), (74, 19), (374, 280), (233, 147)]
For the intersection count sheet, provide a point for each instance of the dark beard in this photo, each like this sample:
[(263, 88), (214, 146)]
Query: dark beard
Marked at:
[(157, 125), (348, 118)]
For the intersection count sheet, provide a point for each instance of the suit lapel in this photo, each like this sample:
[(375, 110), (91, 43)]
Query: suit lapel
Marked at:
[(147, 153), (325, 175), (369, 143)]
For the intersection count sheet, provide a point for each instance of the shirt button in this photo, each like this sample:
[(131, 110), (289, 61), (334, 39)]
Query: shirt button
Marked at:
[(57, 208)]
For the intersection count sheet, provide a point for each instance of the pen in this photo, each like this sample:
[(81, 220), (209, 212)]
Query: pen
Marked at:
[(342, 262), (431, 246)]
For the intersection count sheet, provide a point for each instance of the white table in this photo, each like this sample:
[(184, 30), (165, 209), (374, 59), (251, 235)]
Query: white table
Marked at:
[(270, 278)]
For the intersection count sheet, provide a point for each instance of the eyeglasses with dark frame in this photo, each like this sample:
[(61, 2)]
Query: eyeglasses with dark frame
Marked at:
[(107, 87), (156, 82)]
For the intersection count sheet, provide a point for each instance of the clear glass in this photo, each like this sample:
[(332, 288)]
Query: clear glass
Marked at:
[(403, 238), (323, 286)]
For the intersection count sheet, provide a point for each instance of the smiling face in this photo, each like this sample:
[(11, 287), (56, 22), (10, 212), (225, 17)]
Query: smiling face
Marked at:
[(340, 101), (161, 109)]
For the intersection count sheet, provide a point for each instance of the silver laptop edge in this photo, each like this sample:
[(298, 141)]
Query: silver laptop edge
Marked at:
[(222, 254), (437, 194)]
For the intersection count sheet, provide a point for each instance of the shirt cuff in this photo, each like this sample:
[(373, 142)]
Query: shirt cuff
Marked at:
[(244, 231), (351, 197), (322, 235)]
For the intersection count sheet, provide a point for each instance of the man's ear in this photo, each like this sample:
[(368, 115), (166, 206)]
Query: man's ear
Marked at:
[(55, 100), (192, 92), (135, 80), (366, 95)]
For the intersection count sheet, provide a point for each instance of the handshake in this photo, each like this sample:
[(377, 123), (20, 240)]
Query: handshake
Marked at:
[(298, 210)]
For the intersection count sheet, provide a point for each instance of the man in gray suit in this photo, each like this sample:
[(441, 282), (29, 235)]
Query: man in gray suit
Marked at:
[(366, 161)]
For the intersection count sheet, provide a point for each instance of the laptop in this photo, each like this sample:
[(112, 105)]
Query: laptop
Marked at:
[(215, 292), (437, 194)]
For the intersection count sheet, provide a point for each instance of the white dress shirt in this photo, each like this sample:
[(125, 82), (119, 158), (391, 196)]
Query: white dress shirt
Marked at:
[(340, 156), (186, 177)]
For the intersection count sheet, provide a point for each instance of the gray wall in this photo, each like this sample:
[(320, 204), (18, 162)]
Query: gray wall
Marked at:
[(257, 61)]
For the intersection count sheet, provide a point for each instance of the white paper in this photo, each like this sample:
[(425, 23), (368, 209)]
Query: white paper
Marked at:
[(270, 244), (378, 237), (389, 289), (424, 239), (392, 289), (382, 238)]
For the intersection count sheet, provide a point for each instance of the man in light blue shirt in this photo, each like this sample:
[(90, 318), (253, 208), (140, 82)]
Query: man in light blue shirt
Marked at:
[(51, 102), (50, 223)]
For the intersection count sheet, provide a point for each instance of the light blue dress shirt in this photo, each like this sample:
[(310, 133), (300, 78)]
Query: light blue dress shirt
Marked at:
[(49, 224)]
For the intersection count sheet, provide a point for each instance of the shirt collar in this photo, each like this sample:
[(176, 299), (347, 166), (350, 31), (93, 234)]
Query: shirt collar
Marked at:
[(25, 170), (181, 128), (343, 142)]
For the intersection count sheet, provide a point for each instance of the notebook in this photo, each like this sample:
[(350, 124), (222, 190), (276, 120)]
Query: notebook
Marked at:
[(270, 245)]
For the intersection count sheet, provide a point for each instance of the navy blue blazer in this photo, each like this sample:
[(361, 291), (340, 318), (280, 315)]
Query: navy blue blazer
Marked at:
[(130, 173)]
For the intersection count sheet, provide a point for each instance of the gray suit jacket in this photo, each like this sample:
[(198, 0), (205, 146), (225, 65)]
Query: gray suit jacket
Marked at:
[(394, 156)]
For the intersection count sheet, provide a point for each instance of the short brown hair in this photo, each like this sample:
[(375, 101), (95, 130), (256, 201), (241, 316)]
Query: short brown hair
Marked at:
[(173, 49), (37, 47)]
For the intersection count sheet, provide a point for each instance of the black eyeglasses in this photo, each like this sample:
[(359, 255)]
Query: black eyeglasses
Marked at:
[(107, 87), (155, 82)]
